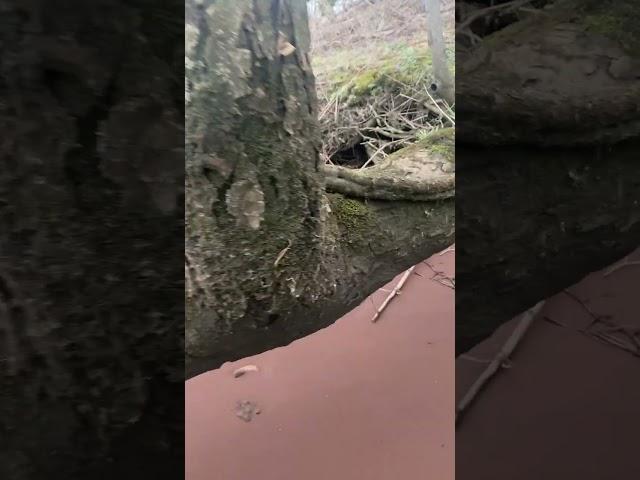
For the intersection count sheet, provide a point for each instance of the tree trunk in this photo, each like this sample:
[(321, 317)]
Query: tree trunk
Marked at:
[(559, 199), (270, 256), (445, 86), (90, 120)]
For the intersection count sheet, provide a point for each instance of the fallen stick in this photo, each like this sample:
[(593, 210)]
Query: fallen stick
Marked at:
[(393, 293), (505, 352)]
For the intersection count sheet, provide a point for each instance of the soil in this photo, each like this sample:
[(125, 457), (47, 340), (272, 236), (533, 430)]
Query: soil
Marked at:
[(567, 406), (357, 400)]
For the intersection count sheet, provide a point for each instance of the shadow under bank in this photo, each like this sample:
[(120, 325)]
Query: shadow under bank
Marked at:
[(530, 222)]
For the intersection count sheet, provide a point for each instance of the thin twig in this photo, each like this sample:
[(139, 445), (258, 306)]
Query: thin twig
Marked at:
[(326, 108), (379, 150), (282, 253), (471, 358), (451, 285), (594, 318), (503, 355), (438, 276), (611, 340), (624, 263), (395, 292), (453, 122)]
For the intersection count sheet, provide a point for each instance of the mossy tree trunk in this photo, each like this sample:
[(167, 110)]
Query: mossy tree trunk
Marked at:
[(270, 256), (548, 135)]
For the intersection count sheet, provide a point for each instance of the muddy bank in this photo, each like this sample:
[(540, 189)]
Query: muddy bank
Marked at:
[(570, 212), (567, 406), (356, 400)]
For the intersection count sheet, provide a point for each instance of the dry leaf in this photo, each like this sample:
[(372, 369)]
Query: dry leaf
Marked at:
[(284, 47), (282, 254), (242, 370)]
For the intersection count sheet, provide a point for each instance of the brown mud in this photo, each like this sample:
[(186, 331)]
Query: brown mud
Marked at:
[(568, 404), (356, 400)]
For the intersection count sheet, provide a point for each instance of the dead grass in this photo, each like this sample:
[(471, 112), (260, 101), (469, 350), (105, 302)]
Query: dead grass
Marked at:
[(373, 69), (364, 25)]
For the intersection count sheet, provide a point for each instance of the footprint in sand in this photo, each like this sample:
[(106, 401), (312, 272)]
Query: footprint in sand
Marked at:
[(245, 410)]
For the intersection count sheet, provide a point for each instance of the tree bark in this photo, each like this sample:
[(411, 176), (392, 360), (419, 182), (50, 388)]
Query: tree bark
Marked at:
[(435, 33), (548, 138), (270, 256)]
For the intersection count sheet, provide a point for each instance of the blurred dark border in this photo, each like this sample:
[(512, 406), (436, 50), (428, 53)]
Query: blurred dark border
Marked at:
[(547, 183), (91, 239)]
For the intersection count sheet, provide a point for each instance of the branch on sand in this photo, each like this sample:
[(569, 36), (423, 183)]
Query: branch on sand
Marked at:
[(503, 355), (394, 293)]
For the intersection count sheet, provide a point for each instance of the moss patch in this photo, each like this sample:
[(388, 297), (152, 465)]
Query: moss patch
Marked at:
[(440, 142), (619, 21), (352, 75), (354, 217)]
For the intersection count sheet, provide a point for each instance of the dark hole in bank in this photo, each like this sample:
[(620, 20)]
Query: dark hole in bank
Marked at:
[(352, 157)]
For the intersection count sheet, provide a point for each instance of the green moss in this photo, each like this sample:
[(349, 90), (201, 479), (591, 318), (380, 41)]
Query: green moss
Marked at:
[(353, 216), (619, 22), (606, 24), (354, 75), (364, 82), (440, 142)]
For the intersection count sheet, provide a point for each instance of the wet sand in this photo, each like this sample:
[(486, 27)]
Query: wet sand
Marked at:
[(568, 406), (355, 401)]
